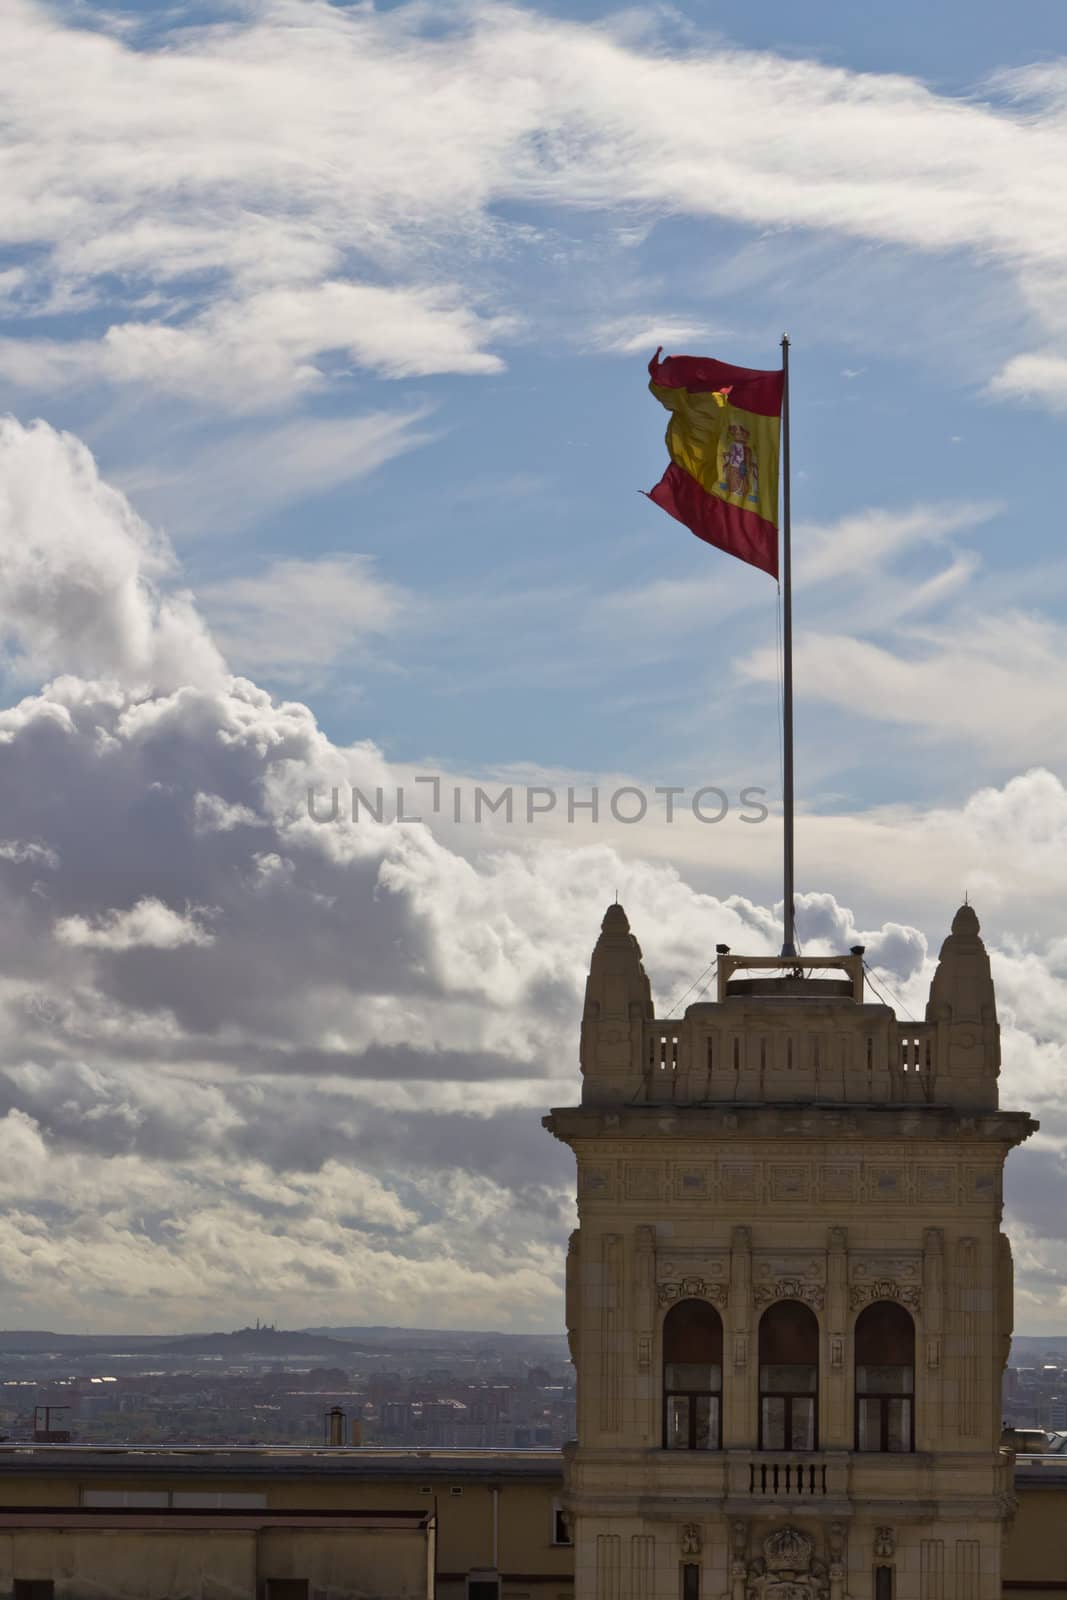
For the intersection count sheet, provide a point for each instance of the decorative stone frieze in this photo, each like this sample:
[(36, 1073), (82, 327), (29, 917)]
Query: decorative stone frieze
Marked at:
[(812, 1294), (788, 1569), (906, 1269), (691, 1288), (908, 1294)]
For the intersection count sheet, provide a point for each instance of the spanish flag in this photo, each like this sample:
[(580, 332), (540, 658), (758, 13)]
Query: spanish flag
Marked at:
[(723, 440)]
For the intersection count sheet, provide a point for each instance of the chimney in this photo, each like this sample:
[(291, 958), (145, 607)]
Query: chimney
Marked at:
[(335, 1425)]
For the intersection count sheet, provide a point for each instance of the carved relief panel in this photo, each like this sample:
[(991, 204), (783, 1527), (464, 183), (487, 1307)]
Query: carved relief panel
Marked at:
[(697, 1274), (789, 1275), (884, 1275)]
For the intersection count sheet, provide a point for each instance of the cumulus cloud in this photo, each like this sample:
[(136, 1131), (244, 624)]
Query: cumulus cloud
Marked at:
[(249, 1055), (149, 924), (84, 574)]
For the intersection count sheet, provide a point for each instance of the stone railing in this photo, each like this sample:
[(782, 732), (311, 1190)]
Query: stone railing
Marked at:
[(691, 1060), (786, 1477)]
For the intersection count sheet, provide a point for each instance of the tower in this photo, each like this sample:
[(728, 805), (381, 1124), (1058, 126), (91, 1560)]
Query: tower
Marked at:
[(789, 1301)]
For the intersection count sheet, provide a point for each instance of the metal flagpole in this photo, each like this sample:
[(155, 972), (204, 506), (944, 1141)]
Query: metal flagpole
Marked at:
[(789, 943)]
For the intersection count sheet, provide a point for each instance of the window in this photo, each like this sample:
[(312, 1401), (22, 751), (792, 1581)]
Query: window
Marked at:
[(788, 1377), (883, 1583), (194, 1500), (286, 1589), (690, 1581), (183, 1499), (483, 1586), (692, 1377), (885, 1378), (147, 1498), (561, 1532), (33, 1589)]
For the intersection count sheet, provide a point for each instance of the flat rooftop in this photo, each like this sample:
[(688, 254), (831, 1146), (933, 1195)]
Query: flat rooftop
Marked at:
[(250, 1461), (344, 1461)]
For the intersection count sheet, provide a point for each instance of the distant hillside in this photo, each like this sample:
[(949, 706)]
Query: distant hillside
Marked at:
[(338, 1345), (376, 1334), (32, 1341), (259, 1342)]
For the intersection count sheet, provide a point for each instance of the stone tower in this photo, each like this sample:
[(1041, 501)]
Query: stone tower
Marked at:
[(789, 1300)]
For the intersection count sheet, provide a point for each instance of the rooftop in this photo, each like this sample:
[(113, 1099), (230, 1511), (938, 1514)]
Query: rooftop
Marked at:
[(207, 1460)]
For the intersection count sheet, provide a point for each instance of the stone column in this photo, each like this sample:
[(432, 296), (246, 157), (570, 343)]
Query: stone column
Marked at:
[(647, 1380), (610, 1337), (835, 1432), (929, 1352), (739, 1375)]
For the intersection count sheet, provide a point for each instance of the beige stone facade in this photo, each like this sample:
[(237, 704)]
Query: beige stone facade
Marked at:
[(78, 1523), (71, 1517), (789, 1298)]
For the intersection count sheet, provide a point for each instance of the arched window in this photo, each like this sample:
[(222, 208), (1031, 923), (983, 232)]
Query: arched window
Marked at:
[(885, 1378), (788, 1377), (692, 1377)]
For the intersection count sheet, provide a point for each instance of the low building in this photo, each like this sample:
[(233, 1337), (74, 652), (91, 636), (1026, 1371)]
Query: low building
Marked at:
[(193, 1523), (263, 1523)]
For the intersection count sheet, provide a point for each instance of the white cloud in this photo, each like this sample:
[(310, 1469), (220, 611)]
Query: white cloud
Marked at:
[(216, 815), (1038, 375), (147, 925), (262, 353), (994, 684), (301, 615), (83, 573), (863, 543), (163, 1155), (38, 854), (255, 469), (642, 335), (269, 175)]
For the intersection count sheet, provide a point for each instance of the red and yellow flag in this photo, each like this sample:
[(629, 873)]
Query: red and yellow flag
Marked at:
[(723, 440)]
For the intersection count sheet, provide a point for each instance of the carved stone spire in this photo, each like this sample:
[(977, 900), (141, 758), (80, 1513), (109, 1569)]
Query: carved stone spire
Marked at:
[(963, 1005), (962, 983), (618, 1000)]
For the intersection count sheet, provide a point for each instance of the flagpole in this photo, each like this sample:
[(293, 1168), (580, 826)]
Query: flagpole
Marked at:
[(789, 914)]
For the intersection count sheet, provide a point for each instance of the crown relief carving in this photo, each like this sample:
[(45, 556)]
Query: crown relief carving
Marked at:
[(908, 1294), (691, 1289), (812, 1294), (788, 1569)]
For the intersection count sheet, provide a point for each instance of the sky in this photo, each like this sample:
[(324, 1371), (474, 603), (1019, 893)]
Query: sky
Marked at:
[(323, 345)]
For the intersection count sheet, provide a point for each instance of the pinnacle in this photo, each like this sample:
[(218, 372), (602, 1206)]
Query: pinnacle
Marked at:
[(965, 922)]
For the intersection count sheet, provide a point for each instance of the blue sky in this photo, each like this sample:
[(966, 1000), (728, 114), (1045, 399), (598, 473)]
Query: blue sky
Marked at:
[(336, 323), (525, 478)]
